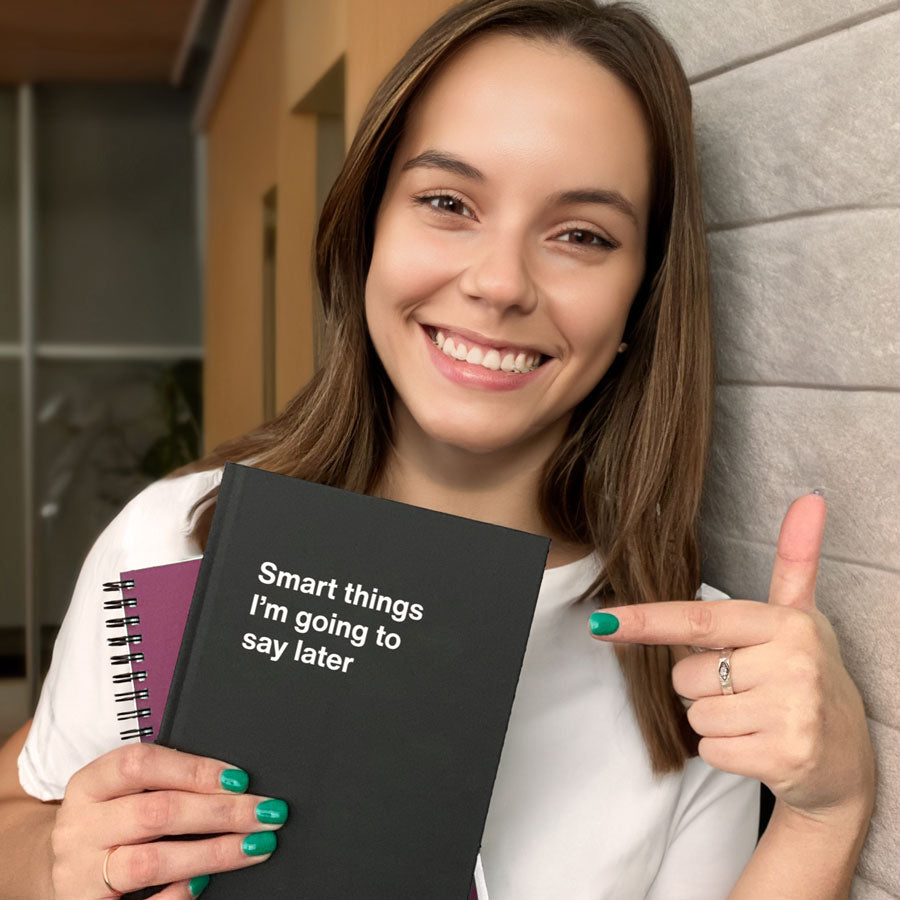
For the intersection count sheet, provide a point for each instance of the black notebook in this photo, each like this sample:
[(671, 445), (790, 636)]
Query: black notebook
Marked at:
[(359, 658)]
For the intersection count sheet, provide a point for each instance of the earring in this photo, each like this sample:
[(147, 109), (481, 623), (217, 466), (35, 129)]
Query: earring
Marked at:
[(622, 347)]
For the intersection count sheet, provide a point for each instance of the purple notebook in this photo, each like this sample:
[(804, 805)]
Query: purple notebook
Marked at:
[(155, 602)]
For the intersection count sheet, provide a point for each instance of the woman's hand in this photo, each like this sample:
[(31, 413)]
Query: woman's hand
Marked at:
[(132, 796), (795, 720)]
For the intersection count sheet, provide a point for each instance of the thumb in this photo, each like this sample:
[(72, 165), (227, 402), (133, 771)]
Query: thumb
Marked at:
[(797, 555)]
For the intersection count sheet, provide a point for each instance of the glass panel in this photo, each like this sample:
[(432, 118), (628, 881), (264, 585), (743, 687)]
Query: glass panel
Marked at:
[(9, 267), (12, 597), (117, 232), (104, 431)]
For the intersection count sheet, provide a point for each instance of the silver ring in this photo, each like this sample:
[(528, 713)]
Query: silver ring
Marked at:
[(724, 670), (105, 871)]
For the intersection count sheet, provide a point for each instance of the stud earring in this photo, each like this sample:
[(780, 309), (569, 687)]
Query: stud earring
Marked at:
[(622, 347)]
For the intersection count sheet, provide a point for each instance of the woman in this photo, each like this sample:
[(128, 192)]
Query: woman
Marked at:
[(513, 271)]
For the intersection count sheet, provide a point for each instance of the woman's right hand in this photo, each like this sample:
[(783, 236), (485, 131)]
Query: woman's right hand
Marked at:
[(134, 795)]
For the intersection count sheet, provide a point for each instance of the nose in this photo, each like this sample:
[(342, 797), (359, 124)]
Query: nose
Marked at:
[(498, 273)]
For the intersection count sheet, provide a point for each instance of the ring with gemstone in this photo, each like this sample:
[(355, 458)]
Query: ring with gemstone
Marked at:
[(724, 670)]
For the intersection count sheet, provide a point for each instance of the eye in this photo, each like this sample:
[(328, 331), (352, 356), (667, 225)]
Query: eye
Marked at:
[(586, 238), (446, 203)]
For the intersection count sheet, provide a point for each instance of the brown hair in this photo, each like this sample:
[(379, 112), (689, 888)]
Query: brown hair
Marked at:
[(627, 478)]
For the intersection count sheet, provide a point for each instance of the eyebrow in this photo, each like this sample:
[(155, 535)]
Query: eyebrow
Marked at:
[(437, 159), (605, 197)]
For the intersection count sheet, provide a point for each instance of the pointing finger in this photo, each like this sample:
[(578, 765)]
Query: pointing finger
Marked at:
[(797, 556), (710, 623)]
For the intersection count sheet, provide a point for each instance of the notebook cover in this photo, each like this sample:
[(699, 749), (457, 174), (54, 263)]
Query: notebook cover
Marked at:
[(384, 733), (163, 595)]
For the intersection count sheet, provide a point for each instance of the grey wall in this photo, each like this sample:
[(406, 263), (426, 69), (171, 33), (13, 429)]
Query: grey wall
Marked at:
[(798, 117)]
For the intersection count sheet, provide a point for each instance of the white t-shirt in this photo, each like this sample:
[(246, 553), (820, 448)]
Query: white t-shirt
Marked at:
[(576, 811)]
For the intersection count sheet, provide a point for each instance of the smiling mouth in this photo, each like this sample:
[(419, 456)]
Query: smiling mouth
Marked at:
[(514, 360)]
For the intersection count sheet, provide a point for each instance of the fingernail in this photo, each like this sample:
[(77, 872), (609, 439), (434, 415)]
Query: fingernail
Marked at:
[(198, 885), (603, 623), (260, 843), (272, 812), (235, 780)]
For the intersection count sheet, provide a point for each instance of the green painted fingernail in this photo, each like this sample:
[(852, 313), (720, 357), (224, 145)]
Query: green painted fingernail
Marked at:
[(198, 885), (235, 780), (603, 623), (260, 843), (272, 812)]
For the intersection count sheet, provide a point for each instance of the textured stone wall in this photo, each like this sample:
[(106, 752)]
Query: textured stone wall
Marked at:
[(798, 118)]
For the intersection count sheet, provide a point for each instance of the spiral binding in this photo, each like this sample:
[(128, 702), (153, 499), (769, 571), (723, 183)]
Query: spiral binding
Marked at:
[(133, 676)]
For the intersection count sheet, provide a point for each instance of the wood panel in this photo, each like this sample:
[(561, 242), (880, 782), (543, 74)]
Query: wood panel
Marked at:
[(378, 34), (294, 280), (91, 40), (242, 165), (315, 37)]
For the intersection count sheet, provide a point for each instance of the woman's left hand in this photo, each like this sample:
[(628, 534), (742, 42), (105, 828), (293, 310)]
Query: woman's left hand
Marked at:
[(795, 721)]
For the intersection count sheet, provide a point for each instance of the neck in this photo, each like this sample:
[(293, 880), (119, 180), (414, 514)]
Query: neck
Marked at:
[(501, 487)]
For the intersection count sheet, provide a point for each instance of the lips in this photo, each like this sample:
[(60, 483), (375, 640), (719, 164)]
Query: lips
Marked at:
[(494, 357)]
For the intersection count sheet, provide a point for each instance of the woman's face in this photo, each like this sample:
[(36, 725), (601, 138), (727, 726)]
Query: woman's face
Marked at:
[(509, 243)]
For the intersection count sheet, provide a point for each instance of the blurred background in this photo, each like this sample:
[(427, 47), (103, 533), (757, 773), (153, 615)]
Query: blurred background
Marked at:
[(162, 165)]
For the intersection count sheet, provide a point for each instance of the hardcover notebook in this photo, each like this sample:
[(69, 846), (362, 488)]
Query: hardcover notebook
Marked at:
[(158, 599), (359, 658)]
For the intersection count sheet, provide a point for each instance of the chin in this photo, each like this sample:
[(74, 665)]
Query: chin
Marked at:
[(470, 439), (478, 435)]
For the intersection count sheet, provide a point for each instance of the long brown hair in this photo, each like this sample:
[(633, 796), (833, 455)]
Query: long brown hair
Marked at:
[(628, 476)]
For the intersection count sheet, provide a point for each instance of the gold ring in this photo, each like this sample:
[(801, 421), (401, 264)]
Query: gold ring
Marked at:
[(105, 871)]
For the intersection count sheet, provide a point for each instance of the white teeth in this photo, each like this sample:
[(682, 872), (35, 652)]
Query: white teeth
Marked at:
[(520, 363), (491, 360)]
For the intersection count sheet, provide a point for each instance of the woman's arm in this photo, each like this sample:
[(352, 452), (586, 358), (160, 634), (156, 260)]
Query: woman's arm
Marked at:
[(803, 858), (25, 828)]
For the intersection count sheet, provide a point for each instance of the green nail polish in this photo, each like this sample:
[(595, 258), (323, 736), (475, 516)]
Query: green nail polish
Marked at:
[(198, 885), (235, 780), (260, 843), (603, 623), (272, 812)]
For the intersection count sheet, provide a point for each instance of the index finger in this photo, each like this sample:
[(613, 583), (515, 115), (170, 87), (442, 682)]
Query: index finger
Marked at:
[(700, 623), (143, 767)]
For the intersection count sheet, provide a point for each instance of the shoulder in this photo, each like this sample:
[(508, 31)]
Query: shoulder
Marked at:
[(165, 503), (156, 523)]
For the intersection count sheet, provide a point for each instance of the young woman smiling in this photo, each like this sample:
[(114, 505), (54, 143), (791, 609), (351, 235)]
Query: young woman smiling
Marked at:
[(514, 277)]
